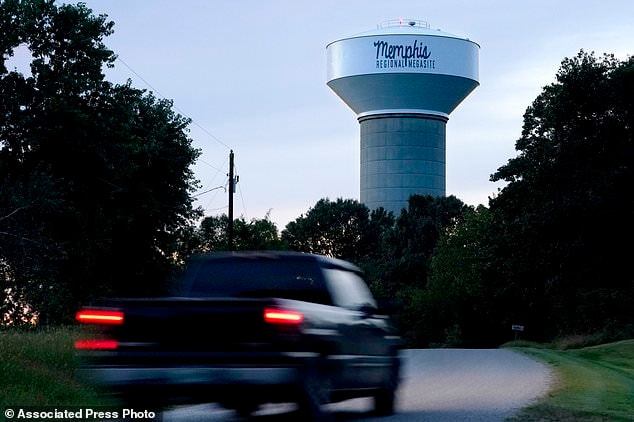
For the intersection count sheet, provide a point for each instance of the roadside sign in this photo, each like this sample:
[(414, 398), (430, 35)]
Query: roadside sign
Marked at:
[(517, 329)]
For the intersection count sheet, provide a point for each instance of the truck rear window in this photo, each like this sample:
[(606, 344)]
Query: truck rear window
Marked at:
[(257, 278)]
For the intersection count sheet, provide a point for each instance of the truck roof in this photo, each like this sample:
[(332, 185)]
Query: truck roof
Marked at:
[(287, 255)]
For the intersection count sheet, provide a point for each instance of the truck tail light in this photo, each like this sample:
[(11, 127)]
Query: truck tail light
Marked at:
[(96, 344), (280, 316), (99, 316)]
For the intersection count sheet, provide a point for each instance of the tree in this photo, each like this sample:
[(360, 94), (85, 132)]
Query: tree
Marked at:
[(465, 302), (407, 248), (567, 211), (399, 273), (341, 228), (96, 177), (257, 234)]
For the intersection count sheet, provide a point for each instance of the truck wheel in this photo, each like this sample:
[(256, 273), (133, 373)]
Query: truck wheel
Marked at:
[(384, 402), (315, 392), (245, 410), (385, 397)]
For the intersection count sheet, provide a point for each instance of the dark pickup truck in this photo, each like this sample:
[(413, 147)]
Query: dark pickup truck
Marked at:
[(247, 329)]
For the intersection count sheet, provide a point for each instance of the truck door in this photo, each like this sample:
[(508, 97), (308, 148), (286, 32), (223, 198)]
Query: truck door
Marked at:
[(365, 344)]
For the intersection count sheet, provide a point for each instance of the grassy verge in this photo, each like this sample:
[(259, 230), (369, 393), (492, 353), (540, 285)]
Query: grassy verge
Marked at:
[(592, 384), (37, 369)]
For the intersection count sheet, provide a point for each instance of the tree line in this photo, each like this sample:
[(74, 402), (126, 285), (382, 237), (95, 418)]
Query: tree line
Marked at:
[(96, 200)]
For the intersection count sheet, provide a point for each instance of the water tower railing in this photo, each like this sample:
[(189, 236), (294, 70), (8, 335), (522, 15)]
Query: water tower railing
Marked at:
[(404, 22)]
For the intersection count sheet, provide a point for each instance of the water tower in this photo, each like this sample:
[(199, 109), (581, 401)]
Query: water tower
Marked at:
[(402, 80)]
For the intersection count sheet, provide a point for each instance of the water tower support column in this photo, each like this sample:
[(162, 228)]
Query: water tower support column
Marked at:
[(401, 154)]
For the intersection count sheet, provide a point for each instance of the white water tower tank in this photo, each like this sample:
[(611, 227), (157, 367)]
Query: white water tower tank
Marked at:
[(402, 80)]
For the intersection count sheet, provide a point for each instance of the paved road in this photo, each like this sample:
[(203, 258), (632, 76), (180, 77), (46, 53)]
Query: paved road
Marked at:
[(439, 385)]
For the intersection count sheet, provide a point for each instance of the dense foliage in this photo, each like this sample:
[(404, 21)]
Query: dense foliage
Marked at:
[(396, 253), (343, 228), (256, 234), (96, 177), (567, 213)]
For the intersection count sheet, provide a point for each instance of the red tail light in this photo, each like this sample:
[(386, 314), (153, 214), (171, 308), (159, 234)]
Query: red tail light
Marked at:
[(99, 316), (280, 316), (96, 344)]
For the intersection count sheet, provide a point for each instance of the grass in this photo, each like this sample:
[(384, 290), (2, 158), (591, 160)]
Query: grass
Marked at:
[(592, 383), (37, 369)]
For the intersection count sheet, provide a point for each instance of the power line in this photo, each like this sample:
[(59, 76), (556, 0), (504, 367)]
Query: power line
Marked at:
[(218, 171), (206, 131), (207, 191), (212, 136), (212, 166), (140, 77), (244, 208), (218, 209), (231, 182)]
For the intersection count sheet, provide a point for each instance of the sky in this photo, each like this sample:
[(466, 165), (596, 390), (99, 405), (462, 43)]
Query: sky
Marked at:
[(252, 77)]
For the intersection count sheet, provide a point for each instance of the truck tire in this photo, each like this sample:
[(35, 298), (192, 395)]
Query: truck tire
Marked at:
[(385, 397), (384, 402), (245, 410), (315, 392)]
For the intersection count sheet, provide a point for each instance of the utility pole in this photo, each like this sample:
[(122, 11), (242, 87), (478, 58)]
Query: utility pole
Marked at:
[(231, 189)]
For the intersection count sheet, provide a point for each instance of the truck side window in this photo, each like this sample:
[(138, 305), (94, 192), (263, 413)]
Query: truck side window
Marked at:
[(348, 289)]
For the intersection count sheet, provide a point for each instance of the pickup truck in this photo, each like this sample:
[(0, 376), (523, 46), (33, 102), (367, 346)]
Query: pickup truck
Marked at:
[(247, 328)]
